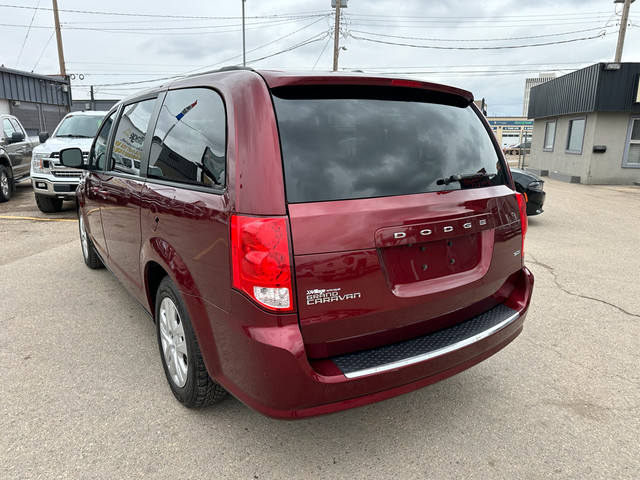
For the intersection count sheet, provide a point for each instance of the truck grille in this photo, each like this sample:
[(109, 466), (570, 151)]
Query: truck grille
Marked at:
[(59, 171), (66, 173)]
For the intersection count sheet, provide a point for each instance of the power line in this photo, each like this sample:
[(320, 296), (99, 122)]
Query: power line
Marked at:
[(320, 56), (163, 30), (314, 38), (483, 65), (301, 44), (149, 15), (257, 48), (69, 25), (454, 25), (502, 47), (27, 35), (548, 15), (43, 50), (137, 64), (478, 39)]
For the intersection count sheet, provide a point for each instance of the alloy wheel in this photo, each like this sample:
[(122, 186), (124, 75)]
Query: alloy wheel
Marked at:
[(4, 184), (174, 345)]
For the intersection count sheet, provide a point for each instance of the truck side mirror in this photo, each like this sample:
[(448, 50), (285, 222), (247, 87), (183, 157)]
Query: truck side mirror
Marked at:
[(43, 136), (72, 157), (17, 137)]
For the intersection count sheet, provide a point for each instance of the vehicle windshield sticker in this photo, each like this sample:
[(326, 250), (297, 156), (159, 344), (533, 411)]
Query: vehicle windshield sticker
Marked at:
[(326, 295)]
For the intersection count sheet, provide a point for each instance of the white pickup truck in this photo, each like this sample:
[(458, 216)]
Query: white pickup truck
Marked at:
[(52, 182)]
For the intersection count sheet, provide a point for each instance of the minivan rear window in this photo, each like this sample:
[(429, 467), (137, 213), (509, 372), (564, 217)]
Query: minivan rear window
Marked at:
[(380, 143)]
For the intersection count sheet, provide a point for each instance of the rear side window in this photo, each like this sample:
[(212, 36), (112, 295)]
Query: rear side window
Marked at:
[(189, 141), (379, 144)]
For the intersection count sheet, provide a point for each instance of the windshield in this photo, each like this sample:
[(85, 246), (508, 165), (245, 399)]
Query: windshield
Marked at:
[(347, 148), (84, 126)]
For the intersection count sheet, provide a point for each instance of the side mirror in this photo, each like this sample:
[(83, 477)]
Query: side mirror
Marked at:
[(43, 136), (17, 137), (72, 158)]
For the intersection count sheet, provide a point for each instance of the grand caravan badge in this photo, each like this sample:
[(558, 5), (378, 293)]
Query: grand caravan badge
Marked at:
[(327, 295)]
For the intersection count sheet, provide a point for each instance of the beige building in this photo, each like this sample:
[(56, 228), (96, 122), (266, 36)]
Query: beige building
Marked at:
[(587, 125), (511, 130)]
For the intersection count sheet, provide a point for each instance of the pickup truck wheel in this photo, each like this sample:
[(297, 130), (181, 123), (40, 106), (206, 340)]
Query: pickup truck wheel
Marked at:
[(48, 204), (91, 258), (5, 184), (180, 353)]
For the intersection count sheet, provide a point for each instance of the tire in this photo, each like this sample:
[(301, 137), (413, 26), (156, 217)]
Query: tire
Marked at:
[(48, 204), (91, 258), (5, 184), (180, 353)]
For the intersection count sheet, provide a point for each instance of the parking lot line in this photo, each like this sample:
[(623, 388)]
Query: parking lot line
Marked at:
[(10, 217)]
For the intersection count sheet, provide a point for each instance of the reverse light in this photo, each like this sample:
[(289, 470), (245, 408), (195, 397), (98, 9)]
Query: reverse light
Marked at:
[(261, 260), (522, 205)]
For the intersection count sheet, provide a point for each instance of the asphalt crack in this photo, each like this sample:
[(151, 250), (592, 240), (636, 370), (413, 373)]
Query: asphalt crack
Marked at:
[(562, 288)]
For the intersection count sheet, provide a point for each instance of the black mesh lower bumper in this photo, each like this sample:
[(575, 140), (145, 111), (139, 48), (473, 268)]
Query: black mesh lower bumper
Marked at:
[(429, 346)]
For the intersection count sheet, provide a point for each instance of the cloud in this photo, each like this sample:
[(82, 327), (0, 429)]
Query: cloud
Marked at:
[(107, 54)]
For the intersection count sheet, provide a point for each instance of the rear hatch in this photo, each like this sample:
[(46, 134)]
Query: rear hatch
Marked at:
[(402, 217)]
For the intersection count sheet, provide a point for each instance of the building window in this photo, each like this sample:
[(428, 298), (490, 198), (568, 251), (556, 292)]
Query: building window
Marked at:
[(549, 136), (632, 148), (576, 135)]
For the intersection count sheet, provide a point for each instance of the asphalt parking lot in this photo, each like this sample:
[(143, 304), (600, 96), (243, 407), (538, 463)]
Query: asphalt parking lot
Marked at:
[(84, 395)]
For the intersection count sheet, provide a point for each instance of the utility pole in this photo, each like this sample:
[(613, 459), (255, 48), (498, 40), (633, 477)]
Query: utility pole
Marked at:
[(623, 27), (336, 37), (244, 52), (63, 72), (93, 99)]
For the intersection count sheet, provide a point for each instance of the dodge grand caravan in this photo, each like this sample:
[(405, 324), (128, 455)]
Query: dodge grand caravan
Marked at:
[(307, 242)]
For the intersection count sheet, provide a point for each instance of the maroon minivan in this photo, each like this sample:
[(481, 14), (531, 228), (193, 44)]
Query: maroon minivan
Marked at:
[(307, 242)]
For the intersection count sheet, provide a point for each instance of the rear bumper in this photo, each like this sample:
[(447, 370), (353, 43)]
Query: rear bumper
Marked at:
[(266, 367)]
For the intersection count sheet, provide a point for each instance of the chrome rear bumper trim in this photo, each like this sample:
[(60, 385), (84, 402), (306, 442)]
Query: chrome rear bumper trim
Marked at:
[(346, 362)]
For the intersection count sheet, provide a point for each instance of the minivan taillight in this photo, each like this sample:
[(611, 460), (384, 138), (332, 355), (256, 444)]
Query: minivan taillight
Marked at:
[(522, 205), (262, 260)]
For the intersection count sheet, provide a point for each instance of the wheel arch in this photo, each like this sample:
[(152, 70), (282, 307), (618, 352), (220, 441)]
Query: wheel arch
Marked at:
[(4, 161), (165, 262), (154, 273)]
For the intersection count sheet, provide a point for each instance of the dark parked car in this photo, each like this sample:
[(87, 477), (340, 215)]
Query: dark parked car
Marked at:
[(532, 187), (15, 155), (309, 243)]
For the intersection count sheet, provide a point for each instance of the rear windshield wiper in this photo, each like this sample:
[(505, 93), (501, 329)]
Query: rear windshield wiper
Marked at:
[(461, 177)]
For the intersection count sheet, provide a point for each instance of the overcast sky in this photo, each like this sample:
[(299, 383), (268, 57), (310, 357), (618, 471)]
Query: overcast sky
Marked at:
[(461, 43)]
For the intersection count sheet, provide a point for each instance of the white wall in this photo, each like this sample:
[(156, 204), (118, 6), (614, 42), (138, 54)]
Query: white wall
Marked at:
[(602, 128), (4, 106)]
